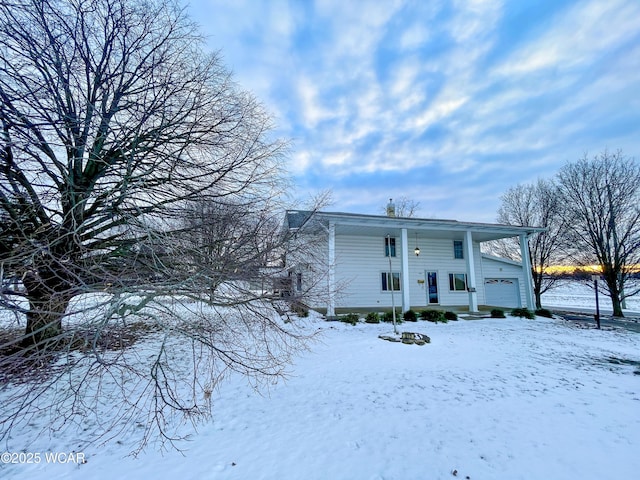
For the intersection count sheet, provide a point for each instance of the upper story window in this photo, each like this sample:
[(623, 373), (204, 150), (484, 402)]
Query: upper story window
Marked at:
[(389, 247), (458, 251)]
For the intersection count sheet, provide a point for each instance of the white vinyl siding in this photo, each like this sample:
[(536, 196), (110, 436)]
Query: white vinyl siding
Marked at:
[(493, 268), (359, 262), (436, 255)]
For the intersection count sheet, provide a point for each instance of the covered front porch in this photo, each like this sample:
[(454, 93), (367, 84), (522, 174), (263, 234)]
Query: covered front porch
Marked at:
[(416, 239)]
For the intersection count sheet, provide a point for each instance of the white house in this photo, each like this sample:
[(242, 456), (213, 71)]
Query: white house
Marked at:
[(378, 261)]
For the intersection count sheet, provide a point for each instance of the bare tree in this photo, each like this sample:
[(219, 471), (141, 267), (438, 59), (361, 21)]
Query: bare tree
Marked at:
[(114, 123), (538, 205), (403, 207), (602, 205)]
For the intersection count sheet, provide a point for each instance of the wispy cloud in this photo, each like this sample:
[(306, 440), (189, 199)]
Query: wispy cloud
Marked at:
[(578, 36), (441, 98)]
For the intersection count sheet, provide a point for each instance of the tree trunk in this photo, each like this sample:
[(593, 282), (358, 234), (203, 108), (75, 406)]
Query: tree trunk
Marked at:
[(617, 306), (537, 287), (49, 296), (44, 321), (612, 284), (538, 296)]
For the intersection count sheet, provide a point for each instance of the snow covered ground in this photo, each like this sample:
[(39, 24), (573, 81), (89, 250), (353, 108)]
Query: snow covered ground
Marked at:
[(486, 399), (577, 294)]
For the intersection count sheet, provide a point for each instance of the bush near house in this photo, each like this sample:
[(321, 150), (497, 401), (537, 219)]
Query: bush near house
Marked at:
[(497, 313), (543, 312), (432, 315), (410, 316), (351, 318), (300, 309), (388, 317), (450, 316), (372, 317), (523, 312)]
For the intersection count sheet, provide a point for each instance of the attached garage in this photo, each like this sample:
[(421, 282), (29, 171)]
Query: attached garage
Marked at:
[(502, 292)]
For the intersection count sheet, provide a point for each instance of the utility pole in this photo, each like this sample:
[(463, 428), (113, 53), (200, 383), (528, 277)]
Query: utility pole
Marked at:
[(595, 286), (390, 283)]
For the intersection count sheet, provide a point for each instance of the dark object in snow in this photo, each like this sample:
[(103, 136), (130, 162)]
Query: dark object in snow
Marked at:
[(410, 316), (523, 312), (434, 316), (372, 317), (351, 318), (450, 315), (389, 338), (543, 312), (408, 338)]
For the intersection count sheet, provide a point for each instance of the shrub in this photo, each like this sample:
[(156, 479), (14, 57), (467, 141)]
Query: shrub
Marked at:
[(372, 317), (450, 316), (351, 318), (497, 313), (543, 312), (300, 309), (522, 312), (410, 316), (388, 317), (432, 315)]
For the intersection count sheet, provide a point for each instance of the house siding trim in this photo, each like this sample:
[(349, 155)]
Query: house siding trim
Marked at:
[(406, 292), (331, 307), (526, 268), (471, 272)]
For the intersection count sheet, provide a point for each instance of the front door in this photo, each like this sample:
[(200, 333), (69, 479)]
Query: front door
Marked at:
[(432, 288)]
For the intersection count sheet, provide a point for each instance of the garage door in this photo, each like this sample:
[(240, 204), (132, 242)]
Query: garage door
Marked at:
[(502, 292)]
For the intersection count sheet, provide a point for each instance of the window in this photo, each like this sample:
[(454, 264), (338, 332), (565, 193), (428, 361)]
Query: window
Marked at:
[(458, 252), (386, 284), (389, 247), (457, 282)]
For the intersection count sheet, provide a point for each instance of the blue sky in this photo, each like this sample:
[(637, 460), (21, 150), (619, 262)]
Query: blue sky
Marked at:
[(448, 103)]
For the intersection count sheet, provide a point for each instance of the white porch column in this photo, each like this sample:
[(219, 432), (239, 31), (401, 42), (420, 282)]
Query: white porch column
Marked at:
[(331, 307), (471, 272), (526, 271), (406, 298)]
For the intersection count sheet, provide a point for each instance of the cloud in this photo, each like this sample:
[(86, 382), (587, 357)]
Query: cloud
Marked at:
[(441, 98), (312, 109), (414, 36), (444, 106), (474, 19), (577, 36)]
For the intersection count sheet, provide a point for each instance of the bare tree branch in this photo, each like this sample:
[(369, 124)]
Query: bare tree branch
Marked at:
[(538, 205), (139, 197), (602, 205)]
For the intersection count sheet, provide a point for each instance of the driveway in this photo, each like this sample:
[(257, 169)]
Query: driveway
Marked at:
[(631, 320)]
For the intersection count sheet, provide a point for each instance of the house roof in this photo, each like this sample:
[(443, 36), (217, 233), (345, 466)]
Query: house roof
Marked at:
[(362, 224), (297, 218), (507, 261)]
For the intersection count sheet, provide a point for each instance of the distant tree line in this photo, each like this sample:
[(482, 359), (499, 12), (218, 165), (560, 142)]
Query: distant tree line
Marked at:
[(591, 210)]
